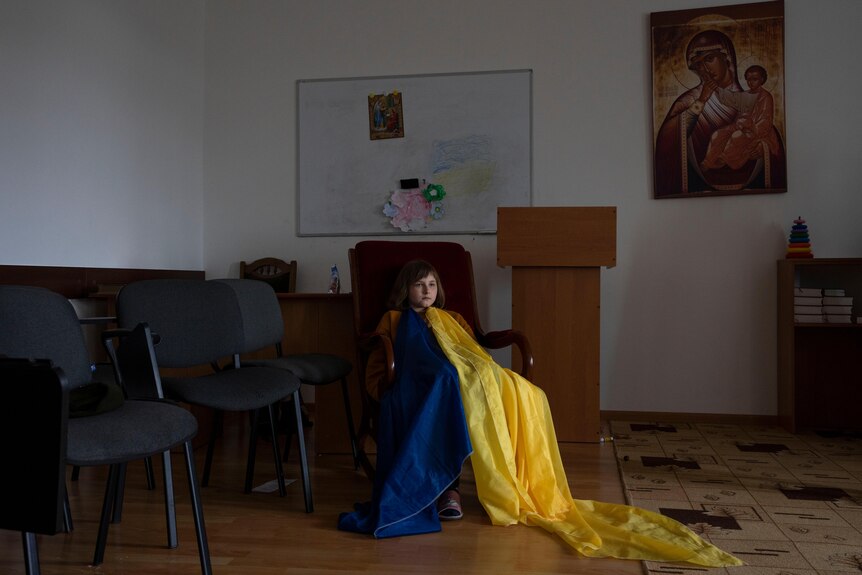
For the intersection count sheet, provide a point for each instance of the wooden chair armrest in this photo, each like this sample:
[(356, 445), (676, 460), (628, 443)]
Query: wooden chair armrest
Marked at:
[(505, 338), (369, 342)]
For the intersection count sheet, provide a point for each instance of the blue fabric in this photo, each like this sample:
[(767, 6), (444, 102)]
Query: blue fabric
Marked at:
[(422, 439)]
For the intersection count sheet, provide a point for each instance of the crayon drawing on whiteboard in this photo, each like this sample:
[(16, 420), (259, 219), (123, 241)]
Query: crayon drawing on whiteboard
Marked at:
[(412, 154)]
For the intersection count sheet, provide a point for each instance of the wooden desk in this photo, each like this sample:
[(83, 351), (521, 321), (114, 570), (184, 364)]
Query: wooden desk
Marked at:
[(323, 323)]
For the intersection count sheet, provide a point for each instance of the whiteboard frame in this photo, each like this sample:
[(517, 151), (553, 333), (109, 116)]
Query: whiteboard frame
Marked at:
[(369, 220)]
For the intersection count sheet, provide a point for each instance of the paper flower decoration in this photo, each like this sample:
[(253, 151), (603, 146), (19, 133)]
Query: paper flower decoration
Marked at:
[(412, 210), (437, 210), (434, 193)]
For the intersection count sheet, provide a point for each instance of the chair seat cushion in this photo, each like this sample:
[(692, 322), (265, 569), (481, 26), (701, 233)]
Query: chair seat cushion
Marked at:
[(137, 429), (94, 398), (241, 389), (310, 368)]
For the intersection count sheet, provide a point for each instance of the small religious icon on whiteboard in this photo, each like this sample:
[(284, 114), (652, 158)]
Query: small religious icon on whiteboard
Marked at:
[(385, 118)]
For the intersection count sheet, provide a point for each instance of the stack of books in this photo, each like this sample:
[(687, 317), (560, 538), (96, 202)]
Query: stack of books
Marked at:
[(808, 305), (837, 306)]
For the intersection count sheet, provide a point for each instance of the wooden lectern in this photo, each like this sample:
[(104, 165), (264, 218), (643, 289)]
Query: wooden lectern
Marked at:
[(556, 254)]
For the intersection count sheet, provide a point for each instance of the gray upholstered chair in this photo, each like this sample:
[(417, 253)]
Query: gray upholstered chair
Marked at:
[(199, 323), (38, 323), (263, 327)]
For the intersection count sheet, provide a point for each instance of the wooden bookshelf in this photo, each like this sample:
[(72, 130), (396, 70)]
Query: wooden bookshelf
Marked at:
[(818, 363)]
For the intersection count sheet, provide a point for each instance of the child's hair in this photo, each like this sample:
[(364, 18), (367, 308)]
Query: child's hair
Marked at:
[(759, 69), (412, 272)]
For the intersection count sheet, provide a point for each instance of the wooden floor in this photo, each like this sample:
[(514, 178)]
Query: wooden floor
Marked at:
[(263, 534)]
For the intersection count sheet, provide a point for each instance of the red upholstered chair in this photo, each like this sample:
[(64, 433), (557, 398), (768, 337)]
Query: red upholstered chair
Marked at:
[(374, 265)]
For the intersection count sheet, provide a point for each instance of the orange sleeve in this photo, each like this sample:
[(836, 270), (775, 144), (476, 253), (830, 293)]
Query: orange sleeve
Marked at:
[(375, 370), (463, 323)]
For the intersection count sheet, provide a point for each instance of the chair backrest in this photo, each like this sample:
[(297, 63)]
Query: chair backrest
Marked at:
[(375, 264), (262, 323), (281, 275), (33, 422), (136, 366), (197, 321), (38, 323)]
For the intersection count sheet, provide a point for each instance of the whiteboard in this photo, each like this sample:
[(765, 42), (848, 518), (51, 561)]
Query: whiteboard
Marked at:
[(470, 133)]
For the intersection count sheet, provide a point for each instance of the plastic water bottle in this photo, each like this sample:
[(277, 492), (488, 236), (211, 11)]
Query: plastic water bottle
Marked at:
[(334, 281)]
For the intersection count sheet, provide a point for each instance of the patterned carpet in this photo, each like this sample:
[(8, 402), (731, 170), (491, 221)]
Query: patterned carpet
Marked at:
[(785, 504)]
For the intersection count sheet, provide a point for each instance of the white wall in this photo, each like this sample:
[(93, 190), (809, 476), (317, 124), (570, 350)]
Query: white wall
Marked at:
[(689, 313), (101, 133), (688, 318)]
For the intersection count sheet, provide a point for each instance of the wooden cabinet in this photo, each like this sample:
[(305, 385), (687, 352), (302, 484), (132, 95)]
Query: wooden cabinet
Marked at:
[(323, 323), (819, 377)]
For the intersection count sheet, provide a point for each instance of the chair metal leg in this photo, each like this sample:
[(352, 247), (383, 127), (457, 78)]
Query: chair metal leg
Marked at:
[(218, 425), (31, 553), (67, 512), (170, 505), (76, 471), (208, 462), (288, 431), (279, 468), (110, 497), (367, 466), (197, 511), (366, 432), (151, 478), (252, 450), (350, 429), (303, 461), (117, 515)]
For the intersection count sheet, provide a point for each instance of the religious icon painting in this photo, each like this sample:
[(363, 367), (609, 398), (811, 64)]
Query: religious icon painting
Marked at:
[(718, 101), (385, 117)]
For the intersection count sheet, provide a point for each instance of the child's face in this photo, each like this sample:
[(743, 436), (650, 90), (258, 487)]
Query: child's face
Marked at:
[(753, 79), (423, 293)]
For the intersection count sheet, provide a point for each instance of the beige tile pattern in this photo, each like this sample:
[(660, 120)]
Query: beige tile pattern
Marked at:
[(785, 504)]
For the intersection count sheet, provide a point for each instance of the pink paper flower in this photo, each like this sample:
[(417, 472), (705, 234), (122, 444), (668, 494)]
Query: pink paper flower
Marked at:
[(411, 210)]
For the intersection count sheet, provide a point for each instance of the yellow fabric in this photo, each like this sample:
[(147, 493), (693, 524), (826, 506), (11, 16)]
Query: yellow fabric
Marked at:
[(519, 473)]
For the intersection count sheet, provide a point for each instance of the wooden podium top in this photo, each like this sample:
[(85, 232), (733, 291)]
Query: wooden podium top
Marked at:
[(557, 237)]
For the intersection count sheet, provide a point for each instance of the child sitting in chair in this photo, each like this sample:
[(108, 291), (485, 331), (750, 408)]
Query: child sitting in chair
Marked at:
[(449, 397)]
